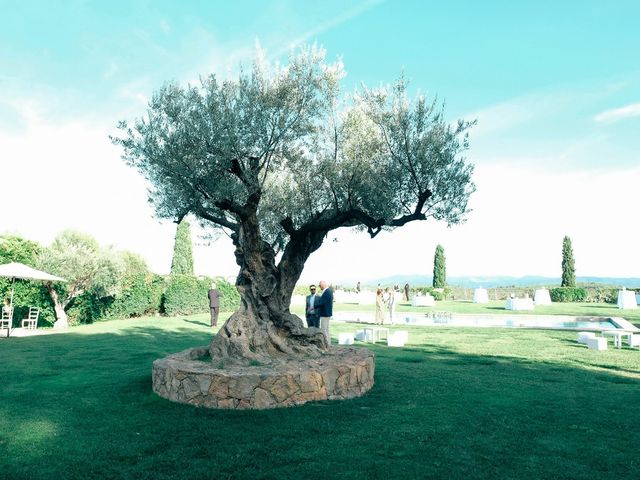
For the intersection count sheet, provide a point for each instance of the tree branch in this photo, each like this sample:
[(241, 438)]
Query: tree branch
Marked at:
[(231, 206), (223, 222), (354, 217)]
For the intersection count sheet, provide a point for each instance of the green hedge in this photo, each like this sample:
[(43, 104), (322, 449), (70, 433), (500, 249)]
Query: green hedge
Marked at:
[(230, 298), (142, 297), (568, 294), (185, 295), (602, 295)]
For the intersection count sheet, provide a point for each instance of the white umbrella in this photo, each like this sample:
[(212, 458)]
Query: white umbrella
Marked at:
[(22, 271)]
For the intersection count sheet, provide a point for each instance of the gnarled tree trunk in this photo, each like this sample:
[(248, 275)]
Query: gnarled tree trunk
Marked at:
[(264, 329), (62, 321)]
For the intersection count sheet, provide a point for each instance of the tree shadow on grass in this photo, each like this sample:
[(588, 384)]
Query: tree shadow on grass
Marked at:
[(196, 322), (81, 406)]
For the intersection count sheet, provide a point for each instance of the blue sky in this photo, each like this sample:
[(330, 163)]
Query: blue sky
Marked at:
[(555, 87)]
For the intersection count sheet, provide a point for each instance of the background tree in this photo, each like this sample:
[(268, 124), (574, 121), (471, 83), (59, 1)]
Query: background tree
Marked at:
[(439, 268), (79, 259), (17, 249), (182, 262), (568, 264), (278, 159)]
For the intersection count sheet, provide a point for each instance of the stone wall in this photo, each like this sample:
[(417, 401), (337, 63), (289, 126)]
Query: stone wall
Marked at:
[(187, 377)]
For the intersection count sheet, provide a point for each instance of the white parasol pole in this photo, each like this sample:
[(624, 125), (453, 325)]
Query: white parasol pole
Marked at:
[(13, 280)]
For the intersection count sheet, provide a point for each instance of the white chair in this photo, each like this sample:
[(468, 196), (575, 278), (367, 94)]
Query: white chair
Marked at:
[(31, 322), (360, 335), (7, 318), (597, 343), (397, 338), (634, 340), (345, 339), (583, 336)]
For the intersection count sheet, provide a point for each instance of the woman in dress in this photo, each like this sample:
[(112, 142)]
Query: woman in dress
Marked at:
[(391, 303), (379, 307)]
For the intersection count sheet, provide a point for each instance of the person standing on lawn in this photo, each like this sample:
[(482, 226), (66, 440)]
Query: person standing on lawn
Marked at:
[(214, 304), (311, 310), (325, 309)]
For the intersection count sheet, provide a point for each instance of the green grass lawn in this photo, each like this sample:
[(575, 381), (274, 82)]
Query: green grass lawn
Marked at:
[(456, 403)]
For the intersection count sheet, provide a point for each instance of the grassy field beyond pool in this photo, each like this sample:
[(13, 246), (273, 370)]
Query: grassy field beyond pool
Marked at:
[(497, 308)]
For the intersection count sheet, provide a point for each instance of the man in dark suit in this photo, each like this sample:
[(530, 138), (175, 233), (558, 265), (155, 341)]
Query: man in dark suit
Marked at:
[(214, 304), (326, 309), (311, 310)]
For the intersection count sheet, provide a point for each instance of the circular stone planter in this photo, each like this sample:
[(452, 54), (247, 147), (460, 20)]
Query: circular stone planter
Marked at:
[(191, 377)]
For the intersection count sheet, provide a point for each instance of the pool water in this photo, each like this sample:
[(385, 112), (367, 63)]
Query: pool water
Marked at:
[(440, 319)]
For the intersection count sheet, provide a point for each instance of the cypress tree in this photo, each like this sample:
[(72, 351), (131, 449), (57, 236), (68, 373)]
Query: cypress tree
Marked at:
[(568, 264), (439, 268), (182, 262)]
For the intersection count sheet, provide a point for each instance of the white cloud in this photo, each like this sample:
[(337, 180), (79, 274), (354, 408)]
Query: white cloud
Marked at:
[(334, 22), (514, 112), (68, 175), (519, 218), (615, 114), (58, 176)]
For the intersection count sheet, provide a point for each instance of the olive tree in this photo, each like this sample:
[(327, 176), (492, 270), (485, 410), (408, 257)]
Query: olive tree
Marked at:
[(278, 158), (80, 260)]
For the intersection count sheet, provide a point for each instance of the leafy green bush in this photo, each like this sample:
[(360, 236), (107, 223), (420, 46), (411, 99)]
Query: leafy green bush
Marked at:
[(229, 296), (568, 294), (86, 308), (142, 297), (438, 294), (602, 295), (185, 295)]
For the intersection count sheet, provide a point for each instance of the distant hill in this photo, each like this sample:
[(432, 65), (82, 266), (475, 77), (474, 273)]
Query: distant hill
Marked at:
[(500, 281)]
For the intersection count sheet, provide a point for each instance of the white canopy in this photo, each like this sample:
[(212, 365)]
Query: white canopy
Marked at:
[(19, 270)]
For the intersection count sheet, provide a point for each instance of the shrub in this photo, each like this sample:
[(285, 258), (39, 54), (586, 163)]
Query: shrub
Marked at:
[(602, 295), (438, 294), (229, 296), (568, 294), (141, 297), (186, 294)]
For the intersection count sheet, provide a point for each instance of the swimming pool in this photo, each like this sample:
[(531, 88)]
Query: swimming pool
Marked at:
[(445, 319)]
